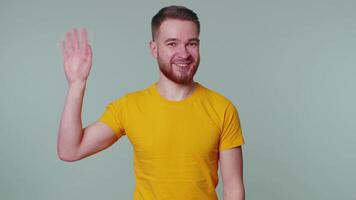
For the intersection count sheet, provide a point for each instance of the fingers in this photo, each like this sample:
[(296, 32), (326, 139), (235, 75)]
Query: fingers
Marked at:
[(69, 41), (72, 41), (84, 37), (88, 50), (85, 46), (75, 39)]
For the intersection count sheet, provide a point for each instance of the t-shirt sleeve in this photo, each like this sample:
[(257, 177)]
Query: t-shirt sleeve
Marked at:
[(231, 134), (113, 116)]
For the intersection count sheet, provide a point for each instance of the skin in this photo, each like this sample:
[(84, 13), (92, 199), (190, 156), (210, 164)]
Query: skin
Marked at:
[(176, 42), (75, 142), (176, 49)]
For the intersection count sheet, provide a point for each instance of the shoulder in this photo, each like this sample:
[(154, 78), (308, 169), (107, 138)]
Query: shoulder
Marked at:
[(213, 97), (218, 106), (134, 96), (139, 95)]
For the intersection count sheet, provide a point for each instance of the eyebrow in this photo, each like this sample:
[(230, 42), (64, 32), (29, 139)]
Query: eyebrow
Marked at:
[(170, 40), (175, 39), (194, 40)]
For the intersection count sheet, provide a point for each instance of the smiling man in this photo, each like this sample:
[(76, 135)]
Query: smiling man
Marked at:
[(179, 129)]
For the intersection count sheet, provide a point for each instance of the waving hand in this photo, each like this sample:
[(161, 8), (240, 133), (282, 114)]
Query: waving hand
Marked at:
[(77, 56)]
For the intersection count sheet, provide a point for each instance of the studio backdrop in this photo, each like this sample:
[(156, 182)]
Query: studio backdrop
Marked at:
[(288, 66)]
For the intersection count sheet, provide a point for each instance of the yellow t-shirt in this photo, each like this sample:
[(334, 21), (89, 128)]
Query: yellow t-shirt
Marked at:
[(176, 143)]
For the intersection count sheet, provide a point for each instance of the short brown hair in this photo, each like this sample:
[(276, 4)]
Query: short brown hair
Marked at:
[(173, 12)]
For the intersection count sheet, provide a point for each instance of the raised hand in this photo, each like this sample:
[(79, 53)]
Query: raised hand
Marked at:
[(77, 56)]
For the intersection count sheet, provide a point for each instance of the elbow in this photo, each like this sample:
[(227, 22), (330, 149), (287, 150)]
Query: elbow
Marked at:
[(237, 192), (66, 157)]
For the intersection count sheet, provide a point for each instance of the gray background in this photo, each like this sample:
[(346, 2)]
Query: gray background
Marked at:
[(288, 66)]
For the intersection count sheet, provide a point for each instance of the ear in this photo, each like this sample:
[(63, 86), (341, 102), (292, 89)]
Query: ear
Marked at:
[(153, 48)]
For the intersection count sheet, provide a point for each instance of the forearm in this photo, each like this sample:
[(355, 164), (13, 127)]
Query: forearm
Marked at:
[(236, 193), (70, 129)]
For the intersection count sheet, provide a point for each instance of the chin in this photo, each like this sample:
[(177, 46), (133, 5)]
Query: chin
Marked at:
[(174, 72)]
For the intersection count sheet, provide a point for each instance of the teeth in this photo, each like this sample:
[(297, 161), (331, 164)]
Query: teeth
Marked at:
[(182, 64)]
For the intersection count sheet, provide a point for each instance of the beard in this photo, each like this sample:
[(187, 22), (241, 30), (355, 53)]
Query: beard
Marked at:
[(180, 75)]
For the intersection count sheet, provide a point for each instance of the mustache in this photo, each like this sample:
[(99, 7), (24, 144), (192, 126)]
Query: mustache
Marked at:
[(189, 60)]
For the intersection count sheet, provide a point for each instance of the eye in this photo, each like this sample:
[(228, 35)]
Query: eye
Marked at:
[(171, 44), (193, 44)]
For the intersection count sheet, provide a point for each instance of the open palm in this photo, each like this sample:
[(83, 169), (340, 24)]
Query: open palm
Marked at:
[(77, 56)]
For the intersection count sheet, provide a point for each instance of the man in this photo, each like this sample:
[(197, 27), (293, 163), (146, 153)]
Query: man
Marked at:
[(179, 129)]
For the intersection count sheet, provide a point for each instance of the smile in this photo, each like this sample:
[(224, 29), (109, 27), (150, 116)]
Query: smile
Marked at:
[(182, 64)]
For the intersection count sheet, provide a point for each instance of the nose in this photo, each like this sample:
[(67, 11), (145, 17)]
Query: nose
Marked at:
[(183, 52)]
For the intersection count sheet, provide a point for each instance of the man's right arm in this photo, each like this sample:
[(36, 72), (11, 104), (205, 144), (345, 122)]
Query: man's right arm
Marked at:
[(74, 141)]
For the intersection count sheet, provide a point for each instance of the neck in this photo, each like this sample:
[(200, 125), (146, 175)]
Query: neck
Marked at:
[(174, 91)]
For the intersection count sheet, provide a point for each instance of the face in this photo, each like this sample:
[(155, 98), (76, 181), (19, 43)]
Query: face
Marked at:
[(176, 48)]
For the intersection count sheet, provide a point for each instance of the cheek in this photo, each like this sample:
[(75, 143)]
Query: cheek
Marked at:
[(167, 56), (163, 51), (194, 52), (195, 55)]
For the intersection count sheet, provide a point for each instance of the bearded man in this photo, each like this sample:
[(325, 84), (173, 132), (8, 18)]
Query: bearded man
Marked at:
[(179, 129)]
